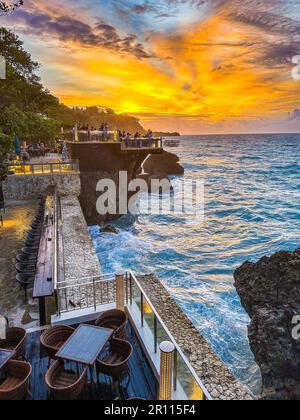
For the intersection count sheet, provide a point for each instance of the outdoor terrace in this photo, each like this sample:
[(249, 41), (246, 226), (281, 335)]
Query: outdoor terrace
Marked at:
[(88, 296), (152, 323), (139, 382), (43, 167), (112, 138)]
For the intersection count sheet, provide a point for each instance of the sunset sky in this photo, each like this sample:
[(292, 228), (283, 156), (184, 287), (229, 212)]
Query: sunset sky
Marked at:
[(197, 66)]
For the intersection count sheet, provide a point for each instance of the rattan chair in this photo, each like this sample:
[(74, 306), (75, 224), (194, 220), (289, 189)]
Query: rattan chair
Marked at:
[(32, 243), (115, 362), (15, 340), (27, 268), (26, 281), (26, 259), (54, 338), (15, 385), (31, 252), (65, 384), (114, 319)]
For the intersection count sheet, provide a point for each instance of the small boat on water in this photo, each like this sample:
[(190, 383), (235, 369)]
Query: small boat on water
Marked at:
[(172, 142)]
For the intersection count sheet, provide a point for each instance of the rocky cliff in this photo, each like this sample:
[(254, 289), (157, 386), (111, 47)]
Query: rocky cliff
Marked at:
[(160, 166), (270, 293)]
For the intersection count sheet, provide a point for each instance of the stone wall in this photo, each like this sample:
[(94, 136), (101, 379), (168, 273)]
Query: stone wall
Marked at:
[(103, 161), (79, 256), (28, 187)]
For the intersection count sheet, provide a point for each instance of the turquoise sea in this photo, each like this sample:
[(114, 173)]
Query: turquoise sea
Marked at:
[(252, 199)]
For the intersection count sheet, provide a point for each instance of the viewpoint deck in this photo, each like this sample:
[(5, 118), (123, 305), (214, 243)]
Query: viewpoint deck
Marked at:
[(140, 382)]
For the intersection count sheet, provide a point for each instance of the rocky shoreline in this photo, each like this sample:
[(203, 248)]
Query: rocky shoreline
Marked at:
[(270, 293), (162, 166), (216, 377)]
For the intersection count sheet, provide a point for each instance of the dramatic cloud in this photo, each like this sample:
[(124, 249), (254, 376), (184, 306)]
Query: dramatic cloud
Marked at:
[(187, 65), (68, 29)]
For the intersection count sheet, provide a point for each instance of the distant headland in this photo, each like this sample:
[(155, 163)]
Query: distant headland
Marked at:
[(167, 134)]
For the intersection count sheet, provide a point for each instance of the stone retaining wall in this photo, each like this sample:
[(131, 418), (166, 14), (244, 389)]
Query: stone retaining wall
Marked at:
[(28, 187), (80, 258), (218, 380)]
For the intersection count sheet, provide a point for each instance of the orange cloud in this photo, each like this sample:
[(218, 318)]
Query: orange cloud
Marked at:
[(213, 72)]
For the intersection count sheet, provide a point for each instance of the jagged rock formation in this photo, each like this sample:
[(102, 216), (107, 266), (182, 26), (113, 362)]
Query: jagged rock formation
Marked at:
[(108, 229), (270, 292), (160, 166)]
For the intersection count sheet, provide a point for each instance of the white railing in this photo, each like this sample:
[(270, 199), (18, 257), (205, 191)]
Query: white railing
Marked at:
[(142, 143)]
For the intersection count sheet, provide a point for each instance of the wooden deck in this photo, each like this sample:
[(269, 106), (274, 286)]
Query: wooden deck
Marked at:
[(140, 383)]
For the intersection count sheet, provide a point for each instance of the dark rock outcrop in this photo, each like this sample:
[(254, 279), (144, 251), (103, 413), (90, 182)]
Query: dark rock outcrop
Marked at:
[(108, 229), (270, 292), (163, 165)]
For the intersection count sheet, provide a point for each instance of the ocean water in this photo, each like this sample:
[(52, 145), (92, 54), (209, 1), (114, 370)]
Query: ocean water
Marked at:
[(252, 192)]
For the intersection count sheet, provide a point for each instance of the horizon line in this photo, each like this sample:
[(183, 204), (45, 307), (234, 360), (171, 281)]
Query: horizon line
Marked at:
[(240, 134)]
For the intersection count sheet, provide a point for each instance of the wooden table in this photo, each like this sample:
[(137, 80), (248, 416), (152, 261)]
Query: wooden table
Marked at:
[(5, 357), (43, 283), (85, 345)]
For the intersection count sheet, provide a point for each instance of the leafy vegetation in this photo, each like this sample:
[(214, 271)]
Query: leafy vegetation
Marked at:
[(6, 8), (31, 112)]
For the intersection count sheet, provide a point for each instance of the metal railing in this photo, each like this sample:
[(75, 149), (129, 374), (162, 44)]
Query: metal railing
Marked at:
[(38, 168), (95, 136), (182, 369), (142, 144), (92, 292), (85, 293)]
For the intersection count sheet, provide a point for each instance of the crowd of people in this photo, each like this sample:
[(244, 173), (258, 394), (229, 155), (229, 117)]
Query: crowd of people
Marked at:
[(122, 135), (104, 130), (90, 129), (33, 151), (37, 150)]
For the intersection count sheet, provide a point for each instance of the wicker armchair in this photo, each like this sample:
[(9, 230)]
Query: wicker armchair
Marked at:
[(54, 338), (15, 340), (116, 361), (15, 386), (63, 384), (114, 319)]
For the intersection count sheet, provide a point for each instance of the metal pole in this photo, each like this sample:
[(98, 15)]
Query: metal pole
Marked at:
[(142, 310), (131, 290), (166, 364), (120, 296), (94, 293), (155, 334), (175, 370)]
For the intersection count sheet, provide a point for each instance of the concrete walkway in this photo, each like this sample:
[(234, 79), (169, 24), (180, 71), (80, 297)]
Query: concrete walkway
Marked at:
[(17, 218)]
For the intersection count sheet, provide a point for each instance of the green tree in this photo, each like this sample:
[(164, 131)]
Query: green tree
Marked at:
[(13, 122), (5, 145), (6, 8), (40, 128), (22, 87)]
